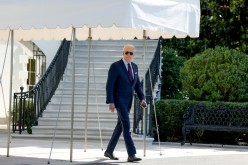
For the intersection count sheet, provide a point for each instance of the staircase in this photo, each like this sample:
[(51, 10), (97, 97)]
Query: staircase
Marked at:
[(56, 119)]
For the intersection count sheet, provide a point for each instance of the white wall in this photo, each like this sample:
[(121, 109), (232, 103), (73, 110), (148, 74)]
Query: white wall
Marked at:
[(20, 60)]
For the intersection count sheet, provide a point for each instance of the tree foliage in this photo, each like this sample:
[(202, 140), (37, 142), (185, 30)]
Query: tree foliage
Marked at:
[(223, 23), (171, 84), (216, 74)]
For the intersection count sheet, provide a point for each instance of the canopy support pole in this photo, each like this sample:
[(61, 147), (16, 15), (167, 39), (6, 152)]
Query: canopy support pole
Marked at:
[(154, 108), (96, 97), (10, 89), (87, 94), (73, 91), (144, 91)]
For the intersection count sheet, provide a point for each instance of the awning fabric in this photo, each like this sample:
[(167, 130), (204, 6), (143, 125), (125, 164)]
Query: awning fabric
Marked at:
[(108, 19)]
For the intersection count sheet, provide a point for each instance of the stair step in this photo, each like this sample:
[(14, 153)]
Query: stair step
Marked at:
[(78, 107), (59, 105), (78, 90), (77, 122), (113, 43), (78, 98), (79, 114)]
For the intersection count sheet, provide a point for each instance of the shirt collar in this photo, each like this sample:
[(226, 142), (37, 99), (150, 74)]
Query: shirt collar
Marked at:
[(125, 62)]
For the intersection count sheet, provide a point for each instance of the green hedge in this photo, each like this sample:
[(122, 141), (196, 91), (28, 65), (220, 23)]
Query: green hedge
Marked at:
[(169, 116)]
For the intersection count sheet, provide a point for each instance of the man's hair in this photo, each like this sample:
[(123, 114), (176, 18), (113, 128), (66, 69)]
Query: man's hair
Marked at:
[(128, 45)]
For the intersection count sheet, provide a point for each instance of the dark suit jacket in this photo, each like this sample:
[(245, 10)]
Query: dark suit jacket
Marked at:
[(119, 88)]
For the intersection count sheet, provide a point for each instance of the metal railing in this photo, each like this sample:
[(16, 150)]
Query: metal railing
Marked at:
[(28, 106), (151, 78)]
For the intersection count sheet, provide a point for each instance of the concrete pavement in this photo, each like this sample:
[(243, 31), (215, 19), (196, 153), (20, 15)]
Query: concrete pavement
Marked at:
[(37, 152)]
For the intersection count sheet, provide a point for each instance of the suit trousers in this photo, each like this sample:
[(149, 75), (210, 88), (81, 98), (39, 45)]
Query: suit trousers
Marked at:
[(122, 126)]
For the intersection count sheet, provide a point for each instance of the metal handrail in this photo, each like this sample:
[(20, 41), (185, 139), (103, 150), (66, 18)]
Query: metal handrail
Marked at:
[(29, 106), (151, 78)]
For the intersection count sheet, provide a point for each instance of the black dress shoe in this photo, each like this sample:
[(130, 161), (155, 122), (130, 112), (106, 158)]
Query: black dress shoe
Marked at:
[(111, 156), (133, 158)]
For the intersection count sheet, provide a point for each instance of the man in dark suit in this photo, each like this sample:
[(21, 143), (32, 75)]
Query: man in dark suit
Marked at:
[(123, 79)]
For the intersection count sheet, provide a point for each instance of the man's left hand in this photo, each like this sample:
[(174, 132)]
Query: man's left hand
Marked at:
[(143, 104)]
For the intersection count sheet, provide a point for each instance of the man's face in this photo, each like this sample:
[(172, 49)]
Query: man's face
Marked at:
[(128, 53)]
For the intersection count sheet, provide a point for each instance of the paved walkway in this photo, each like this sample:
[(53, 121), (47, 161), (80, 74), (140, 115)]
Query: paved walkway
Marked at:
[(37, 152)]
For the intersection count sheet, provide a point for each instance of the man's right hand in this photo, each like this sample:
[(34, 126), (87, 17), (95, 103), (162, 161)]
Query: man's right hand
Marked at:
[(111, 107)]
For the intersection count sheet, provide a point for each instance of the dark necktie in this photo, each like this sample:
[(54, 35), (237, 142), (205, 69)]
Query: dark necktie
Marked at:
[(130, 74)]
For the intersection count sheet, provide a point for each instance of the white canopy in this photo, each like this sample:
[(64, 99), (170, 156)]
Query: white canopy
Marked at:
[(108, 19)]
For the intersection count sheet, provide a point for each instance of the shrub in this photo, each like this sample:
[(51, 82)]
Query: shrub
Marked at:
[(28, 115), (216, 74)]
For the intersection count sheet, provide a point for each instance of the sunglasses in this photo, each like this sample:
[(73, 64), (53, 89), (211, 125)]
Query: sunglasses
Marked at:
[(127, 52)]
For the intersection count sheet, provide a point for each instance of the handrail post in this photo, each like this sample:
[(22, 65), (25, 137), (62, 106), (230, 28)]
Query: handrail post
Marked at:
[(20, 122)]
